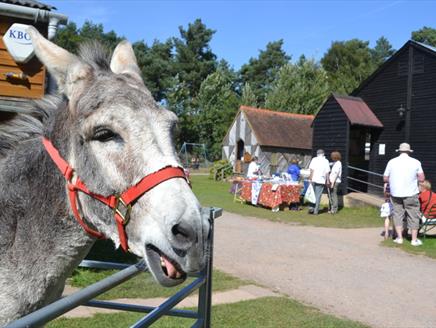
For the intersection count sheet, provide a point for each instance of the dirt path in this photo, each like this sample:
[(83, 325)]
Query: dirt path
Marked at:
[(343, 272)]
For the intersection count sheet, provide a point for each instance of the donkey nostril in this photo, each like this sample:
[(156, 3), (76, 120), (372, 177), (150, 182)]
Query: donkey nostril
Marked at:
[(183, 232)]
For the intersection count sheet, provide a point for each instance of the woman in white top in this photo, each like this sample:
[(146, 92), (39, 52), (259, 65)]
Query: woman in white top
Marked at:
[(335, 180), (253, 169)]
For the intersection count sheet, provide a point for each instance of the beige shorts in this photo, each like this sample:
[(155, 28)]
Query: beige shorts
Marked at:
[(406, 207)]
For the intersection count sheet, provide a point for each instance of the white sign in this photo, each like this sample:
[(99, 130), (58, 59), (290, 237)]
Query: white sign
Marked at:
[(381, 149), (18, 43)]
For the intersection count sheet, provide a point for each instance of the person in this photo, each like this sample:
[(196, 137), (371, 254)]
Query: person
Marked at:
[(253, 169), (294, 170), (427, 198), (319, 170), (403, 173), (386, 211), (335, 181), (294, 173)]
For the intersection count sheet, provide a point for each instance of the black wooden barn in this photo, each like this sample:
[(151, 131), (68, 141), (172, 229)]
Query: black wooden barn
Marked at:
[(396, 104)]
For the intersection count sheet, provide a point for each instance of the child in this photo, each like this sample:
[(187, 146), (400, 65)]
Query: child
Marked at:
[(387, 210), (386, 213)]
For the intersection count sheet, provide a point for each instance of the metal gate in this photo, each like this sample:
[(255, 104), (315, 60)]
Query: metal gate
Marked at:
[(203, 283)]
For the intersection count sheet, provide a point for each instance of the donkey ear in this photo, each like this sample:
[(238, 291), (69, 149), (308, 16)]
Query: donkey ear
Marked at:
[(68, 70), (124, 61)]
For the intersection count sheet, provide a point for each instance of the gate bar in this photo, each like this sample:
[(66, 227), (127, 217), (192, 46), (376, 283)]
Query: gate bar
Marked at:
[(169, 304), (65, 304), (139, 308)]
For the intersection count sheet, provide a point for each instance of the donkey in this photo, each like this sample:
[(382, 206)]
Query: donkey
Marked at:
[(102, 146)]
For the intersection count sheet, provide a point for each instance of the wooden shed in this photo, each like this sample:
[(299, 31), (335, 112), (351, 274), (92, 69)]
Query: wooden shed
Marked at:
[(274, 137), (401, 96), (22, 81)]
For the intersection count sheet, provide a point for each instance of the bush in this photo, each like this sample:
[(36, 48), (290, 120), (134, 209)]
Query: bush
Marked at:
[(218, 165)]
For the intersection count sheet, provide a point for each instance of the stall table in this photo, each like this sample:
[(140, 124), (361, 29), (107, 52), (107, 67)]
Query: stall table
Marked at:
[(272, 197)]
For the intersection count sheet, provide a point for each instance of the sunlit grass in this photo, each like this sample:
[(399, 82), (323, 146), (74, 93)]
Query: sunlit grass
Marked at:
[(211, 193), (428, 247), (268, 312)]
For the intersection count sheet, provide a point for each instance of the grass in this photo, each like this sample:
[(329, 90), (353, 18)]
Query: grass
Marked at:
[(428, 247), (144, 286), (211, 193), (268, 312), (141, 286)]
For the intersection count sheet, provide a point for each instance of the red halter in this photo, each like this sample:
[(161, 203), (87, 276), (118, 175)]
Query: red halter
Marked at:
[(121, 204)]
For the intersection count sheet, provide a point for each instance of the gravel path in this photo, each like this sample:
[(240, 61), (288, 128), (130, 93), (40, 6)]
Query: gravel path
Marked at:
[(340, 271)]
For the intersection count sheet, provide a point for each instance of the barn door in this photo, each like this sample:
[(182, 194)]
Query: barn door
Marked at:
[(358, 156)]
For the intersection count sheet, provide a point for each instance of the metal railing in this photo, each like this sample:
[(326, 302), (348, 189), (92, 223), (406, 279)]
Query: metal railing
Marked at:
[(203, 283), (378, 187)]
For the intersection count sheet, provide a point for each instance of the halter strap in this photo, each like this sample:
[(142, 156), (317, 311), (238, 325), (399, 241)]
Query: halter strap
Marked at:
[(120, 204)]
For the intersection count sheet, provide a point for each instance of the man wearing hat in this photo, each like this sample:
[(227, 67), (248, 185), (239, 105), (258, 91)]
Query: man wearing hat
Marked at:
[(403, 173), (319, 171)]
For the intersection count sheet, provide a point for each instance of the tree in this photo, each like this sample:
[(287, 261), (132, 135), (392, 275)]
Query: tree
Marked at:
[(69, 37), (194, 59), (248, 98), (300, 88), (157, 66), (425, 35), (347, 64), (217, 106), (179, 101), (382, 51), (260, 72)]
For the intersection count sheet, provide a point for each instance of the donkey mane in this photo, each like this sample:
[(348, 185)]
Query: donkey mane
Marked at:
[(96, 55), (28, 121)]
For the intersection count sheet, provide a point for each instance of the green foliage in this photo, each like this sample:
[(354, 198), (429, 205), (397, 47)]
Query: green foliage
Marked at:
[(299, 88), (157, 66), (382, 51), (248, 98), (218, 165), (193, 62), (347, 64), (194, 59), (260, 72), (425, 35), (217, 105), (69, 37)]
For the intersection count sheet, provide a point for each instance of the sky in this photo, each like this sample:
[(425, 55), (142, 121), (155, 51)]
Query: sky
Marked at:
[(244, 27)]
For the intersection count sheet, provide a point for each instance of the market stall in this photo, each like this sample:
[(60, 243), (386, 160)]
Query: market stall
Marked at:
[(270, 194)]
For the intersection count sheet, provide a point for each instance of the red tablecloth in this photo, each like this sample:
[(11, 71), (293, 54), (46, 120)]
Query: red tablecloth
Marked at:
[(284, 194)]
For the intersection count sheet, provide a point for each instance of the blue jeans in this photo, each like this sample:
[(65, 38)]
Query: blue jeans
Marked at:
[(318, 188)]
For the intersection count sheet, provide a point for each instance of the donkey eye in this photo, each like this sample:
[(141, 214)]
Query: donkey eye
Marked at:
[(104, 135)]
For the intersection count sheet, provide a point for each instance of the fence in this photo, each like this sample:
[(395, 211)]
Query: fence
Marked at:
[(203, 283), (220, 171), (361, 183)]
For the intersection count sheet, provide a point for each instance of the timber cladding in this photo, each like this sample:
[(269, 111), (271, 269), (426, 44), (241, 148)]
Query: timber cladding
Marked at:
[(33, 85)]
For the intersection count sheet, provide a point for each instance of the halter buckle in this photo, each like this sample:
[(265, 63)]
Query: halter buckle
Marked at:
[(124, 213)]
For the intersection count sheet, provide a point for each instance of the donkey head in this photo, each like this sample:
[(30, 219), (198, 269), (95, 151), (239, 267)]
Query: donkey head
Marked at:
[(117, 135)]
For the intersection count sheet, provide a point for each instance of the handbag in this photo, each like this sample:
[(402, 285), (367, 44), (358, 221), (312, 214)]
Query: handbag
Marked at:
[(309, 196)]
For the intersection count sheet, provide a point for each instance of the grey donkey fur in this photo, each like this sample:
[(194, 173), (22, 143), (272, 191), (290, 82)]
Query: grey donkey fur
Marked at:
[(40, 241)]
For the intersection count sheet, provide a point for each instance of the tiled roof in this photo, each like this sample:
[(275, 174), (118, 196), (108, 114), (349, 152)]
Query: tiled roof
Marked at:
[(279, 129), (358, 111), (29, 3)]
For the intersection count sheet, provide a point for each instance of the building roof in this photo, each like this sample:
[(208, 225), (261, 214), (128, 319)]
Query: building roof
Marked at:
[(411, 43), (279, 129), (29, 3), (357, 111)]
